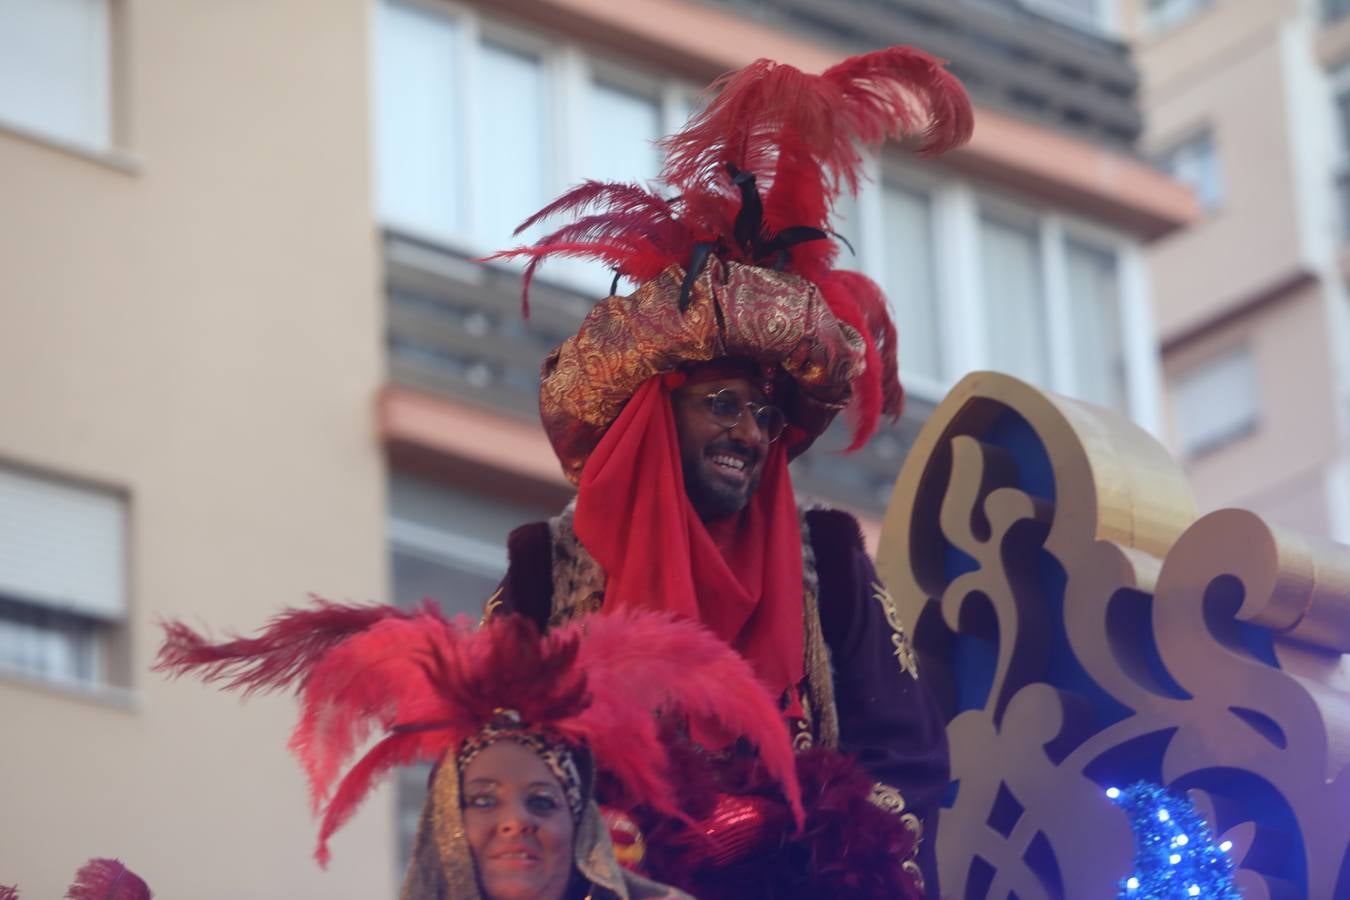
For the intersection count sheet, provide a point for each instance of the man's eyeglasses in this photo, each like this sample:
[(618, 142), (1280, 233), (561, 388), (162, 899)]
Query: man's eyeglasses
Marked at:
[(726, 407)]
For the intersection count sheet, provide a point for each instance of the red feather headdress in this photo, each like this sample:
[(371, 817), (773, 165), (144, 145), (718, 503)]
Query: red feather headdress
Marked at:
[(107, 879), (752, 179), (98, 879), (426, 684)]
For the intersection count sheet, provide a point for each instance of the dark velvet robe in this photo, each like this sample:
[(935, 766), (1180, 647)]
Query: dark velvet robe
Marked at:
[(888, 719)]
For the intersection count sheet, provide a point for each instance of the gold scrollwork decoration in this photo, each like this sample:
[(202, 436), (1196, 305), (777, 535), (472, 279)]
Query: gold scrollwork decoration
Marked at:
[(1082, 624), (904, 651), (886, 797)]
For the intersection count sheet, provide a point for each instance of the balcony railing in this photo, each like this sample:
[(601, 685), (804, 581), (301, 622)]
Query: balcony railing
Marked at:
[(454, 329)]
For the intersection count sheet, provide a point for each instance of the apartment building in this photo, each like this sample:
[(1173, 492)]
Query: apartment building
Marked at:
[(1247, 102), (246, 352)]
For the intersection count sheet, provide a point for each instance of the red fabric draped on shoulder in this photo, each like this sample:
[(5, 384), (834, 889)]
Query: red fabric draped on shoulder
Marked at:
[(633, 516)]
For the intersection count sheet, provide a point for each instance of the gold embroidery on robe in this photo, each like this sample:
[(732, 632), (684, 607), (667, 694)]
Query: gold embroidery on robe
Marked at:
[(885, 797), (490, 608), (904, 650)]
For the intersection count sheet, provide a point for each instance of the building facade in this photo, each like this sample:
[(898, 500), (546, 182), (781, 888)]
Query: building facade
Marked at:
[(246, 352), (1247, 102)]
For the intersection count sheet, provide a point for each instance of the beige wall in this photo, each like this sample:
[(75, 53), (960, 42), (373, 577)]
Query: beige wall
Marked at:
[(202, 333)]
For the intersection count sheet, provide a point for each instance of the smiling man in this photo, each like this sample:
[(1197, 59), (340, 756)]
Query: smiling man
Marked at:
[(724, 426), (677, 409)]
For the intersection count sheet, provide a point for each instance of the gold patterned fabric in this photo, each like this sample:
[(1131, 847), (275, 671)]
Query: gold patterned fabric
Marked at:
[(735, 310)]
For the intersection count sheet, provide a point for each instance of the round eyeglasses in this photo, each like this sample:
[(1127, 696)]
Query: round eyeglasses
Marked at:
[(725, 407)]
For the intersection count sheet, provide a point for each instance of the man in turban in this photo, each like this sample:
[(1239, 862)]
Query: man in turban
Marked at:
[(677, 409)]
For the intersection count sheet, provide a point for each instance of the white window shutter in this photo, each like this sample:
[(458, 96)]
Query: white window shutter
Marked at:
[(62, 546)]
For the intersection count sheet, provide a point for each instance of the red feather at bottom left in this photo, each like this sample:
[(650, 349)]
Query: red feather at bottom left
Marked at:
[(107, 879), (98, 879)]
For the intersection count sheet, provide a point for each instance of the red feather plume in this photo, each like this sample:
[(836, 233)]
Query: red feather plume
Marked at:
[(9, 892), (426, 684), (107, 879), (799, 136), (286, 650)]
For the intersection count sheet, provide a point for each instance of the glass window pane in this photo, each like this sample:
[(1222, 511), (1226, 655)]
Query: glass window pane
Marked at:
[(910, 281), (1195, 163), (1216, 401), (1166, 14), (1094, 297), (1014, 300), (55, 59), (621, 135), (49, 644), (419, 156), (1081, 13), (511, 143)]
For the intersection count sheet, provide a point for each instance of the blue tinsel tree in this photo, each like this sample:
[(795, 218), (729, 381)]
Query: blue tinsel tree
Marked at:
[(1175, 857)]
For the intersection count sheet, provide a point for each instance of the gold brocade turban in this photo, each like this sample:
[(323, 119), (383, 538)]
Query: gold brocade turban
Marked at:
[(735, 310)]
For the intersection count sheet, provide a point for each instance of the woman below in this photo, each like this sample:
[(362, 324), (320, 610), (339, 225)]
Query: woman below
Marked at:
[(517, 725)]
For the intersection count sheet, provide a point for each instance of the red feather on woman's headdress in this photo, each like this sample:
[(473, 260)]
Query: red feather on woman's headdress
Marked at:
[(107, 879), (754, 177), (427, 683), (98, 879)]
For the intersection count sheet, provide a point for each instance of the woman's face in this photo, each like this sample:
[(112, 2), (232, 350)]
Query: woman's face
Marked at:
[(519, 825)]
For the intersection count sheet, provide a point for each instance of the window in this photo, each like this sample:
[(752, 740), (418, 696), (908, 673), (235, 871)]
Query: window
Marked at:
[(1094, 296), (623, 127), (1195, 163), (1014, 299), (479, 125), (979, 281), (55, 69), (1092, 15), (512, 141), (1216, 401), (910, 280), (1164, 15), (62, 576), (417, 121)]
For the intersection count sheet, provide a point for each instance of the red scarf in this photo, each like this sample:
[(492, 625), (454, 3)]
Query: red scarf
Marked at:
[(634, 518)]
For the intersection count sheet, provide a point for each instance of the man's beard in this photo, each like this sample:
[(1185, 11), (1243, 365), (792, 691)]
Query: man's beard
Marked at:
[(711, 497)]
